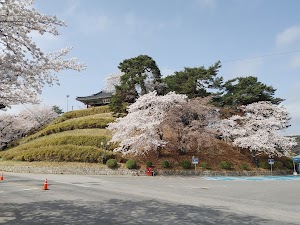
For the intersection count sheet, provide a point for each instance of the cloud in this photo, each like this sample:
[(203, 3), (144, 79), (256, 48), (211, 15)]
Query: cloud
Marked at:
[(86, 22), (207, 4), (288, 37)]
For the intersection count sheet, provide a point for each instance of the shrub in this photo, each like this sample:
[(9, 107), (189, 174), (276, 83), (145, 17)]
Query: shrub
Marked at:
[(111, 163), (68, 153), (244, 166), (166, 164), (278, 165), (288, 163), (148, 164), (264, 165), (186, 164), (82, 113), (72, 124), (131, 164), (225, 165), (204, 165)]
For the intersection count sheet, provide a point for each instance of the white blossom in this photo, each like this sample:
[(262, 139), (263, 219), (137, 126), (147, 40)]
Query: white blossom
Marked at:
[(139, 132), (258, 129), (24, 68), (13, 127), (111, 81)]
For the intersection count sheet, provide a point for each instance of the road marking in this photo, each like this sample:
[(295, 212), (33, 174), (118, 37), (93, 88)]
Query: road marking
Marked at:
[(262, 178), (199, 187), (80, 185), (21, 185)]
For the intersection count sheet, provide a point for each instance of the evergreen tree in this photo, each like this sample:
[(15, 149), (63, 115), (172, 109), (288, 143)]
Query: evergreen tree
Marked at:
[(243, 91), (195, 82)]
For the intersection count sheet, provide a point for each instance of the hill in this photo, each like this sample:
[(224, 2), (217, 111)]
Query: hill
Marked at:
[(80, 136), (76, 136)]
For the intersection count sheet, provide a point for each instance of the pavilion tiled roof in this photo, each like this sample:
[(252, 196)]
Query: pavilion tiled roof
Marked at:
[(99, 95)]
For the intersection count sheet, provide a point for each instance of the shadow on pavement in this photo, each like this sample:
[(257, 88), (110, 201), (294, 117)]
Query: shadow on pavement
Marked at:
[(118, 212)]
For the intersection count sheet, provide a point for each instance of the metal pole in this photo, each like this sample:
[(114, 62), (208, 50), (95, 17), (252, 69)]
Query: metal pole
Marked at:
[(271, 169), (68, 103), (295, 173)]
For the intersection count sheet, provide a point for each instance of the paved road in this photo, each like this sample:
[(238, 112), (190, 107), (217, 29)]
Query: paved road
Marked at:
[(146, 200)]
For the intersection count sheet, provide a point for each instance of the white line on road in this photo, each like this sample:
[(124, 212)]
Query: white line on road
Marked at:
[(80, 185)]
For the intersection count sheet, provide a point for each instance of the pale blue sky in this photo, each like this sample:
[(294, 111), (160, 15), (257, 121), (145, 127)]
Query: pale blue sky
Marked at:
[(177, 34)]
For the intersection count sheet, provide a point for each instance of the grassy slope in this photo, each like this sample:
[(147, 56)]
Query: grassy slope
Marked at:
[(75, 136)]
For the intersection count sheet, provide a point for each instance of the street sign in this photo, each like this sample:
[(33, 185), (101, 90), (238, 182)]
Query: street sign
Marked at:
[(195, 160), (271, 161)]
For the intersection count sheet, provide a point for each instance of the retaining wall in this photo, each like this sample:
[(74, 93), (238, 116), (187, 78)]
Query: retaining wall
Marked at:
[(101, 171)]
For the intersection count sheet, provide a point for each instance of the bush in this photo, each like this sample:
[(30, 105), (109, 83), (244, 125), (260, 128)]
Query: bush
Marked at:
[(72, 124), (244, 166), (264, 165), (68, 153), (288, 163), (131, 164), (186, 164), (111, 163), (204, 165), (278, 165), (225, 165), (148, 164), (82, 113), (166, 164)]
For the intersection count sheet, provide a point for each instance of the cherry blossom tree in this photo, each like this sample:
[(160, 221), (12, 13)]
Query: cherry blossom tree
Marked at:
[(13, 127), (139, 132), (258, 129), (189, 126), (24, 68), (38, 115), (112, 81)]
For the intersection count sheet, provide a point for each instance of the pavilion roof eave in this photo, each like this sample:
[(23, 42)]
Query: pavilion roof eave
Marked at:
[(99, 95)]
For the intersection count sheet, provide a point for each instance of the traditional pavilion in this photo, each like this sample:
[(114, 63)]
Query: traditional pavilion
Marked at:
[(98, 99)]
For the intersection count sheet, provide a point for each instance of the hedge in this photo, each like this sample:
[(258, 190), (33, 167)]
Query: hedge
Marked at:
[(82, 113), (69, 153)]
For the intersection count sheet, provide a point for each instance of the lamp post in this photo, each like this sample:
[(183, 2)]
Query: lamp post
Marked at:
[(103, 146), (68, 103)]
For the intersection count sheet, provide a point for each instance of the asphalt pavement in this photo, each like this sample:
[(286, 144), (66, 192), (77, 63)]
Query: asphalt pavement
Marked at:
[(74, 199)]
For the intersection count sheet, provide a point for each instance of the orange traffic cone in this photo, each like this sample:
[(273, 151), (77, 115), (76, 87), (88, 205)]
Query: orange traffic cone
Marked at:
[(46, 185), (2, 177)]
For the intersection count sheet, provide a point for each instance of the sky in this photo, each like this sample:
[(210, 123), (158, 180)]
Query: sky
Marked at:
[(251, 38)]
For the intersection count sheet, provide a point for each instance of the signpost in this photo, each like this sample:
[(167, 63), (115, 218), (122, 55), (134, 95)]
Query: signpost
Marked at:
[(195, 161), (271, 162)]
